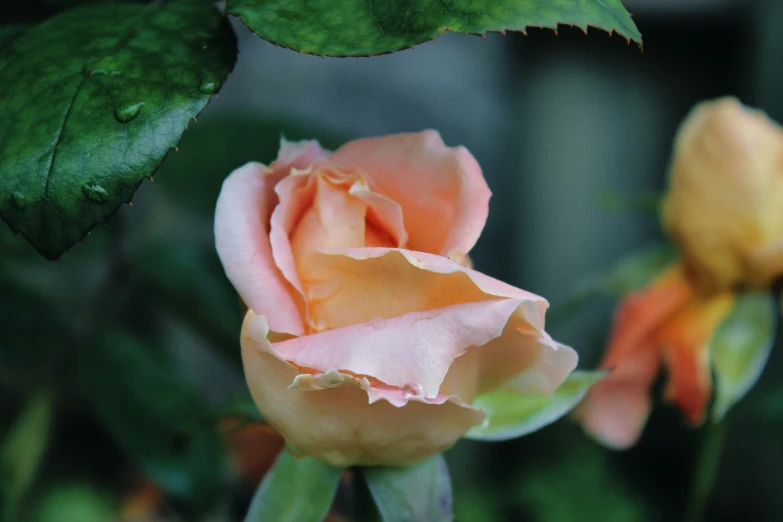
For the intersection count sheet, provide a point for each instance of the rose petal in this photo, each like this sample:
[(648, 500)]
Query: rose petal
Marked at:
[(351, 286), (413, 350), (616, 408), (337, 424), (404, 317), (443, 194), (336, 219), (685, 342), (298, 155), (242, 240)]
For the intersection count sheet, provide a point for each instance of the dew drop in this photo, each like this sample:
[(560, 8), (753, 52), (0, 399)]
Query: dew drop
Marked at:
[(95, 193), (208, 86), (320, 325), (378, 323), (126, 113), (109, 66), (18, 200), (412, 389)]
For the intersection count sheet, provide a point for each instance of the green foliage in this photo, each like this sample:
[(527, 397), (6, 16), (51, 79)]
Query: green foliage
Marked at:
[(294, 490), (580, 484), (511, 414), (74, 503), (22, 451), (364, 28), (91, 101), (627, 275), (419, 493), (740, 348), (156, 417)]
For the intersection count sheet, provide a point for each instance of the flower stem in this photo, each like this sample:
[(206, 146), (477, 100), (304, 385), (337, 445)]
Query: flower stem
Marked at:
[(706, 472)]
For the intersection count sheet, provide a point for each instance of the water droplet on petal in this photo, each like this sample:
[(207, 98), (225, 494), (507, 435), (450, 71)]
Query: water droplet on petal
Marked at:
[(18, 200), (378, 323), (95, 193), (208, 86), (320, 325), (412, 389), (126, 113)]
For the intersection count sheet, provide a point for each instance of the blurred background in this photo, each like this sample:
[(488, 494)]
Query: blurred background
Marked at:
[(120, 381)]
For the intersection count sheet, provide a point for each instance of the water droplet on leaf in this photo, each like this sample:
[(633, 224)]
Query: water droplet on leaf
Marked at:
[(108, 65), (18, 200), (208, 86), (126, 113), (95, 193)]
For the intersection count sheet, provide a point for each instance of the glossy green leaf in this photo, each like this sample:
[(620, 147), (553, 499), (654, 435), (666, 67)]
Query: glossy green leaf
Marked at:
[(155, 416), (22, 451), (740, 348), (420, 493), (369, 27), (511, 414), (295, 490), (91, 101)]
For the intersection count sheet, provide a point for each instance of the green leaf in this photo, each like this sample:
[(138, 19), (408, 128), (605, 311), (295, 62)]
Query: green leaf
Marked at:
[(22, 452), (369, 27), (627, 275), (420, 493), (294, 490), (188, 280), (155, 416), (511, 415), (740, 348), (91, 101), (9, 34)]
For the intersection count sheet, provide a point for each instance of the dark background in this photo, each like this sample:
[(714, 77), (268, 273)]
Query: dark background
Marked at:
[(573, 133)]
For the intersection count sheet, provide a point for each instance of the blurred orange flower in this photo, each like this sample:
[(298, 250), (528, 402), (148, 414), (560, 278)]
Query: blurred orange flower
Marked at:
[(724, 210)]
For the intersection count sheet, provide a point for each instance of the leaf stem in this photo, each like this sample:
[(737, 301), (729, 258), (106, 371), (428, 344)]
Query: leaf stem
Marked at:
[(706, 471)]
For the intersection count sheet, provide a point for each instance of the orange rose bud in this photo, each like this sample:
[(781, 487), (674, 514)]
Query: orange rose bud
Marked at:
[(724, 207)]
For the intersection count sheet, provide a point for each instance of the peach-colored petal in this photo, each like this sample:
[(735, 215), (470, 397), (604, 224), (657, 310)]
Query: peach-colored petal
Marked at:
[(337, 424), (404, 317), (336, 219), (384, 213), (615, 412), (296, 194), (442, 191), (242, 240), (351, 286), (616, 408), (298, 155), (414, 350), (685, 343)]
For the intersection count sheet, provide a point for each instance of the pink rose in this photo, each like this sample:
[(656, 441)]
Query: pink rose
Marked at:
[(367, 337)]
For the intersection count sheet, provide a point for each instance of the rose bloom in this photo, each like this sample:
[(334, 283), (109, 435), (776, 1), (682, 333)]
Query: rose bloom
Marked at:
[(724, 210), (368, 336)]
